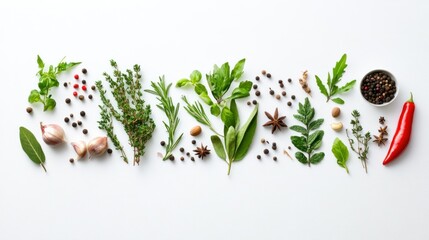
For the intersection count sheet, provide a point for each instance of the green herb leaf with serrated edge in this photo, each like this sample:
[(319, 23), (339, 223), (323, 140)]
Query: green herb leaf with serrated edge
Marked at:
[(332, 87), (31, 147), (341, 152), (309, 141)]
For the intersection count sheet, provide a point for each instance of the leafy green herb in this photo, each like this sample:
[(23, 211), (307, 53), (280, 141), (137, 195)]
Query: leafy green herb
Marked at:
[(309, 141), (171, 111), (362, 141), (47, 81), (31, 147), (341, 152), (219, 82), (332, 84), (131, 111), (235, 142)]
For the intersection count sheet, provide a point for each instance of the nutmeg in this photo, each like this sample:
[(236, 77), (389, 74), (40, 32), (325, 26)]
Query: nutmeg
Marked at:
[(195, 131), (336, 112)]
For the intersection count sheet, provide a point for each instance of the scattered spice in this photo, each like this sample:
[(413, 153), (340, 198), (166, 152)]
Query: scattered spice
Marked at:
[(84, 71), (109, 151), (81, 97), (171, 157), (181, 149), (268, 75), (275, 122), (275, 158), (193, 142), (29, 109), (85, 131), (278, 96), (289, 103), (284, 93), (188, 154), (381, 120), (255, 86), (192, 159), (274, 147), (182, 159), (271, 92), (84, 82), (202, 151), (68, 100), (71, 115), (285, 152), (82, 113), (380, 139), (93, 88), (249, 103), (263, 140), (257, 78), (76, 86), (293, 97), (65, 84), (254, 102), (162, 143), (84, 88), (71, 160), (76, 76), (264, 72), (195, 131), (289, 80), (90, 96), (258, 93), (74, 124), (75, 93), (66, 119), (266, 151), (258, 157), (303, 82)]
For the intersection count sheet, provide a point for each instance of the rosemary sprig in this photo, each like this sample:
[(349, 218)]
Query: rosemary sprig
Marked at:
[(131, 112), (196, 110), (362, 148), (171, 111)]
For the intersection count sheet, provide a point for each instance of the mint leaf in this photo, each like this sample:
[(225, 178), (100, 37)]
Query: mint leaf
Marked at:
[(40, 62), (195, 76), (238, 69)]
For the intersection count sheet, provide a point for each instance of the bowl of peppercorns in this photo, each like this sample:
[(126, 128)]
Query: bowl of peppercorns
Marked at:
[(379, 87)]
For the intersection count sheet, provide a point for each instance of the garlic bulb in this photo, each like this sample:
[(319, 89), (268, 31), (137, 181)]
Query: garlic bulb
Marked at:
[(52, 134), (97, 146), (80, 149)]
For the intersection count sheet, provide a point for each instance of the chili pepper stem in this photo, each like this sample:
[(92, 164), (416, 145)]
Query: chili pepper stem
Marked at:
[(411, 98)]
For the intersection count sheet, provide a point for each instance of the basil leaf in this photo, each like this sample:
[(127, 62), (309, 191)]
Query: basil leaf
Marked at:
[(218, 147), (227, 117), (40, 62), (237, 72), (34, 96), (195, 76), (341, 152), (234, 110), (230, 142), (49, 104), (31, 146), (242, 90), (316, 158), (301, 157), (215, 110), (299, 142), (245, 135), (182, 82), (338, 100), (201, 90)]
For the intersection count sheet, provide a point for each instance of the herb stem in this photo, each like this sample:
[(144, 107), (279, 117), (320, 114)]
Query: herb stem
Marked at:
[(43, 166)]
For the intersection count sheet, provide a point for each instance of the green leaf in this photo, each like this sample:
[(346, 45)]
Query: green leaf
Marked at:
[(230, 142), (227, 117), (341, 152), (182, 82), (40, 62), (234, 110), (195, 76), (299, 142), (242, 90), (31, 146), (299, 129), (347, 87), (315, 139), (218, 147), (215, 110), (237, 72), (322, 87), (338, 100), (339, 69), (315, 124), (300, 118), (201, 90), (49, 104), (245, 135), (316, 158), (301, 157), (34, 96)]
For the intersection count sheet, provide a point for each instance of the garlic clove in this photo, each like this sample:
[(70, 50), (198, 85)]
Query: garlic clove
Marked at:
[(97, 146), (80, 149), (52, 134)]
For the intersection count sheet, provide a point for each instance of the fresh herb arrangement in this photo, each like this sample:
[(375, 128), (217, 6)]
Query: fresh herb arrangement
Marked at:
[(131, 111), (331, 89), (236, 140), (310, 141), (32, 147), (166, 104), (362, 141), (47, 81), (341, 152)]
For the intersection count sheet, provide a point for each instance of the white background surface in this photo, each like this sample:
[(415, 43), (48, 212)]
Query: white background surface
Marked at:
[(107, 199)]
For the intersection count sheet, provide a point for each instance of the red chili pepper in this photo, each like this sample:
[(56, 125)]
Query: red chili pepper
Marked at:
[(403, 131), (76, 76)]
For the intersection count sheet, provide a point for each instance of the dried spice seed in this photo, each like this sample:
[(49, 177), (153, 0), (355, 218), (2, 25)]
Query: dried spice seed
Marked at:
[(162, 143), (76, 76), (266, 151), (275, 121), (66, 119), (75, 93), (257, 78), (264, 72), (271, 92), (275, 158), (258, 157), (188, 154), (255, 86), (181, 149), (84, 71), (79, 123), (68, 100), (81, 97), (284, 93), (278, 96), (280, 81), (289, 103), (71, 115), (258, 93), (274, 147), (74, 124), (84, 82), (281, 85), (249, 103), (268, 75), (381, 120), (383, 130), (289, 80), (293, 97), (93, 88), (90, 96), (274, 144), (76, 86), (171, 157), (182, 159), (84, 88), (263, 140), (65, 84), (380, 140), (202, 151), (192, 159), (254, 102), (85, 131), (71, 160), (82, 113), (29, 109), (289, 147), (109, 151), (193, 142)]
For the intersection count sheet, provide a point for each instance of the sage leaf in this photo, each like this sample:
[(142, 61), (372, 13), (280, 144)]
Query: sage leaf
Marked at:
[(218, 147), (230, 143), (227, 117), (234, 110), (245, 135), (31, 147), (341, 152)]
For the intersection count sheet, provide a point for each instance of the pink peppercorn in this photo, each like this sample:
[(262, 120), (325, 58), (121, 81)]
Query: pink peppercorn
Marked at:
[(76, 76), (84, 88), (75, 93), (76, 85)]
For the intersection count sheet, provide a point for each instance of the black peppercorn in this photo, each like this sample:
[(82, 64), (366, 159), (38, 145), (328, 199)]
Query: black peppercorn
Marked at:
[(181, 149), (289, 103), (162, 143), (255, 86), (171, 158), (258, 93), (289, 147), (281, 85), (192, 159), (271, 92), (257, 78), (90, 96), (83, 81), (82, 113), (71, 115), (280, 81), (74, 124), (248, 103), (85, 131), (79, 123), (66, 119), (93, 87), (266, 151), (254, 102), (274, 144), (258, 157), (283, 93), (109, 151), (268, 75), (84, 71), (65, 84), (68, 100), (29, 109), (182, 159), (293, 97), (188, 154), (289, 80), (194, 142), (275, 158), (71, 160)]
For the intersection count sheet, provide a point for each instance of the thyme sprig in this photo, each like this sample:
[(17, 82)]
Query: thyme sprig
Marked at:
[(171, 111), (131, 110), (362, 147)]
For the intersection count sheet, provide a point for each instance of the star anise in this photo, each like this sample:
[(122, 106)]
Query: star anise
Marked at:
[(380, 140), (383, 131), (275, 122), (202, 151), (381, 120)]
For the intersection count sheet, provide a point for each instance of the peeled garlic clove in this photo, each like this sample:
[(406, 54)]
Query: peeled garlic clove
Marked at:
[(337, 126), (97, 146), (52, 134), (80, 149)]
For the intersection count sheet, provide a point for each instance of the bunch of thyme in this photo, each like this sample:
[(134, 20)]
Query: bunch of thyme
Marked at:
[(131, 111), (362, 140), (171, 111)]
